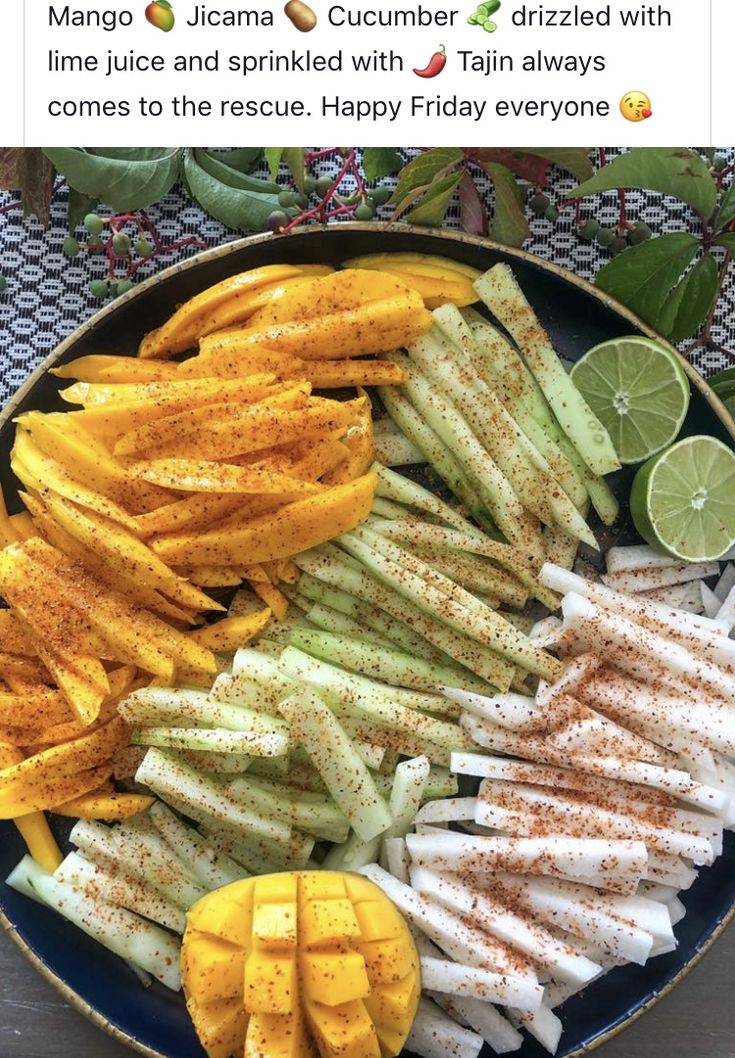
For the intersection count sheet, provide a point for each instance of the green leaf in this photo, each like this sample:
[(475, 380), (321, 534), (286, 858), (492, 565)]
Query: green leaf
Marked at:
[(728, 241), (294, 159), (431, 165), (273, 157), (232, 177), (431, 210), (726, 212), (644, 276), (689, 305), (244, 159), (509, 224), (126, 182), (673, 171), (574, 160), (236, 207), (79, 206), (378, 162)]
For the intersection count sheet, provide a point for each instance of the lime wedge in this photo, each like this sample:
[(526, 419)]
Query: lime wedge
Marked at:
[(638, 390), (683, 500)]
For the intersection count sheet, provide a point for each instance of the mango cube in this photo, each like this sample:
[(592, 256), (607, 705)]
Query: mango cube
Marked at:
[(307, 964)]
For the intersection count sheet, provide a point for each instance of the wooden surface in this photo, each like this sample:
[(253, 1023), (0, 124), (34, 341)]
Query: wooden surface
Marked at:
[(697, 1020)]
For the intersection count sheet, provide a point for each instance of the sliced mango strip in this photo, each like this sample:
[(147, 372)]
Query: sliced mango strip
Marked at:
[(116, 369), (34, 828), (360, 444), (189, 513), (108, 806), (421, 263), (340, 291), (231, 633), (201, 475), (306, 989), (333, 374), (294, 528)]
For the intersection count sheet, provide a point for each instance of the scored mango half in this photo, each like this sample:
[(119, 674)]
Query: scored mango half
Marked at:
[(299, 965)]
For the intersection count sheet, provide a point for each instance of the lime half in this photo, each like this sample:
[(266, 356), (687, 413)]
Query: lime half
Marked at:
[(639, 392), (683, 500)]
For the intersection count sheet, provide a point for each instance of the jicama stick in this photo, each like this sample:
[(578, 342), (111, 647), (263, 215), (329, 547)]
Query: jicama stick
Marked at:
[(542, 1024), (645, 579), (455, 809), (601, 862), (485, 1020), (638, 556), (499, 920), (685, 597), (513, 711), (726, 613), (434, 1035), (450, 978)]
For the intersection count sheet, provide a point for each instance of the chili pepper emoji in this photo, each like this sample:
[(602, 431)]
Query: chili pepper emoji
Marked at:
[(436, 64)]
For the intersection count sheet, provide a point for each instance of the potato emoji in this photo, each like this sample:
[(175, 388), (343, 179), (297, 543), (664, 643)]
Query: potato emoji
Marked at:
[(301, 15)]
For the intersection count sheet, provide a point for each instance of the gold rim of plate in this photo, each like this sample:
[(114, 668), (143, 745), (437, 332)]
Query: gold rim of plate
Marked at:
[(214, 254)]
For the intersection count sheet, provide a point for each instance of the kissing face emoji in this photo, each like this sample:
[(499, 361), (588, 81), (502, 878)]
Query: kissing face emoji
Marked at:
[(635, 106)]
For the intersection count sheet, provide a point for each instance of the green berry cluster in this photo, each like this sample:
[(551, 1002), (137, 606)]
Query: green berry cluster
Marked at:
[(121, 246), (615, 240), (481, 16), (294, 203), (542, 206)]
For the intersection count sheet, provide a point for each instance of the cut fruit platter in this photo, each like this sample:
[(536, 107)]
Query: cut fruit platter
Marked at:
[(367, 685)]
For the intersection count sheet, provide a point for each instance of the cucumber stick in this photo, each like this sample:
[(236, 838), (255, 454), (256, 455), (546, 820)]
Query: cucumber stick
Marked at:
[(502, 294), (316, 728)]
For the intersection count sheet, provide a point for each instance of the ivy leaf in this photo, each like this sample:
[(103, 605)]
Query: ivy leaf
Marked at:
[(27, 170), (690, 303), (379, 162), (726, 212), (235, 207), (432, 209), (509, 224), (643, 277), (79, 206), (127, 179), (472, 212), (728, 241), (273, 157), (244, 159), (673, 171), (428, 166), (232, 177)]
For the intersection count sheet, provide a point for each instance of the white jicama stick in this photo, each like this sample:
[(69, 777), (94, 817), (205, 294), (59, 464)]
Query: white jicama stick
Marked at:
[(670, 870), (434, 1035), (514, 711), (597, 860), (448, 810), (686, 597), (121, 889), (621, 938), (639, 651), (542, 1024), (548, 634), (409, 781), (587, 733), (169, 777), (343, 772), (726, 582), (441, 975), (485, 1020), (710, 602), (502, 922), (211, 868), (397, 859), (126, 934), (726, 613), (698, 634), (677, 911), (633, 581), (668, 780), (543, 812), (639, 556), (465, 944)]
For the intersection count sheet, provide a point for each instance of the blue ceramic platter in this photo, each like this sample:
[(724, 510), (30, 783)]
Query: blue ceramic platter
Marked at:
[(153, 1021)]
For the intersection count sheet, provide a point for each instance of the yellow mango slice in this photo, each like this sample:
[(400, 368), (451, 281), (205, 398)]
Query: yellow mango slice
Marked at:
[(110, 806), (377, 327), (333, 374), (231, 633), (34, 828), (189, 322), (360, 444), (202, 475), (306, 991), (420, 263), (348, 289), (115, 369), (294, 528)]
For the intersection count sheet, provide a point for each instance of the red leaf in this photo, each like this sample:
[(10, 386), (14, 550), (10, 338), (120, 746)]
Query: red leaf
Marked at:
[(472, 213), (526, 166)]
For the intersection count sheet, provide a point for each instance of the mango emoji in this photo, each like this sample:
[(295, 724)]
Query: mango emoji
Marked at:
[(161, 15)]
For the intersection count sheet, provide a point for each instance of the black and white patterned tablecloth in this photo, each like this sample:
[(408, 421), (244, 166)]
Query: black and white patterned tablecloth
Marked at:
[(48, 295)]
